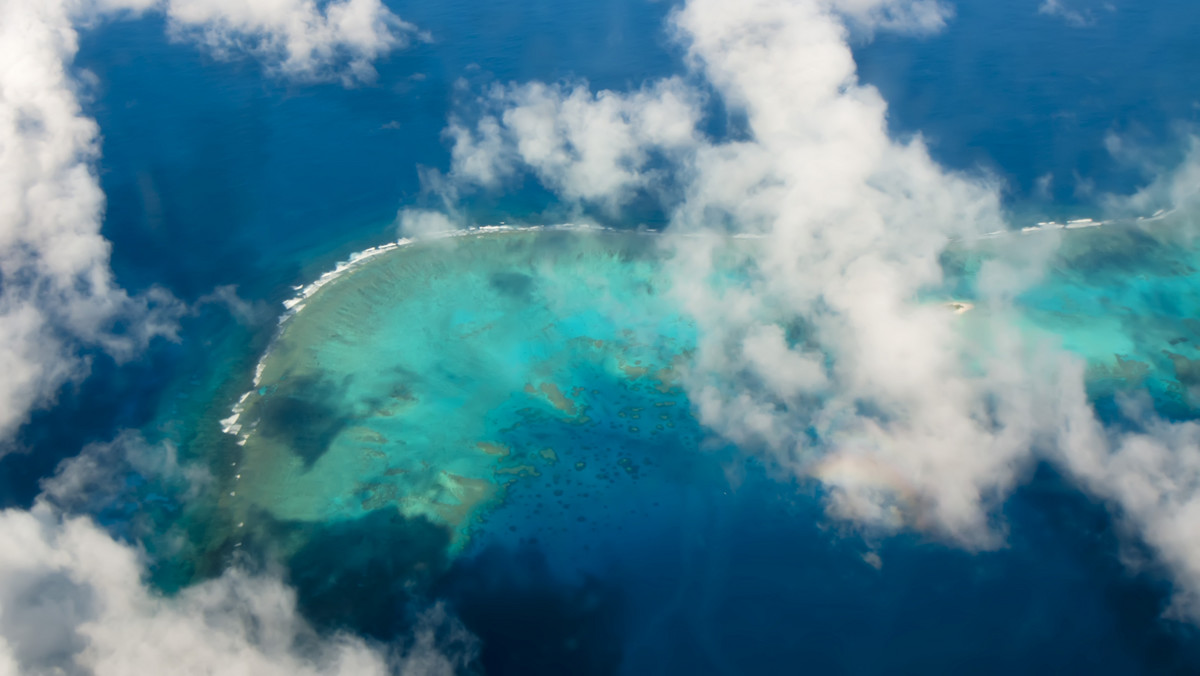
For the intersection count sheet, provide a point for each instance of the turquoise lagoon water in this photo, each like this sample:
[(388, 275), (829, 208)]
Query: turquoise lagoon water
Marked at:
[(1125, 298), (497, 419), (433, 377)]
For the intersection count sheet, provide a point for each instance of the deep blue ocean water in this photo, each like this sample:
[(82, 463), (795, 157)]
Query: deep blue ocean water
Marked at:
[(217, 175), (1028, 95)]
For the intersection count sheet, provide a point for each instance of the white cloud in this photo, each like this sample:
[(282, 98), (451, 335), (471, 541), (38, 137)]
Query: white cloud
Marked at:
[(909, 16), (299, 39), (96, 478), (73, 601), (57, 293), (853, 223), (822, 356), (339, 39), (423, 223), (588, 147), (1150, 475), (56, 289)]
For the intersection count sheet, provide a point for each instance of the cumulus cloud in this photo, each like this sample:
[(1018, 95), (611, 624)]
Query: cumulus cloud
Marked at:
[(853, 222), (73, 601), (57, 292), (589, 147), (820, 354), (1151, 475), (300, 39)]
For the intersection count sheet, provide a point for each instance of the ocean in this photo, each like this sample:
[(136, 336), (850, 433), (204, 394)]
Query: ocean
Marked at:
[(469, 422)]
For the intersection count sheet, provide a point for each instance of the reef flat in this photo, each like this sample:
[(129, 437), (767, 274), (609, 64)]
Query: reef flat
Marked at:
[(429, 379)]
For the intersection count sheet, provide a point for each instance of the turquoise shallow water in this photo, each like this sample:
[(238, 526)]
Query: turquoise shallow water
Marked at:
[(444, 378), (433, 378)]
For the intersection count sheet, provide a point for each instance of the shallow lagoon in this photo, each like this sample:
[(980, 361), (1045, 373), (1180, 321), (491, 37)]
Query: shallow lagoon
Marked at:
[(435, 376)]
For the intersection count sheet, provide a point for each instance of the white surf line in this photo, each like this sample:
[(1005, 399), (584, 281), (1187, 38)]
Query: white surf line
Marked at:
[(1074, 224), (297, 303)]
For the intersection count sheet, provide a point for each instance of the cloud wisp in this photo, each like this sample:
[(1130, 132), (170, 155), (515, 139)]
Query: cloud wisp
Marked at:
[(1073, 17)]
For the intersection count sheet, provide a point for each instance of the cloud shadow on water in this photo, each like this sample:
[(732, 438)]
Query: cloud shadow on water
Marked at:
[(515, 285), (531, 623), (366, 575), (299, 415)]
